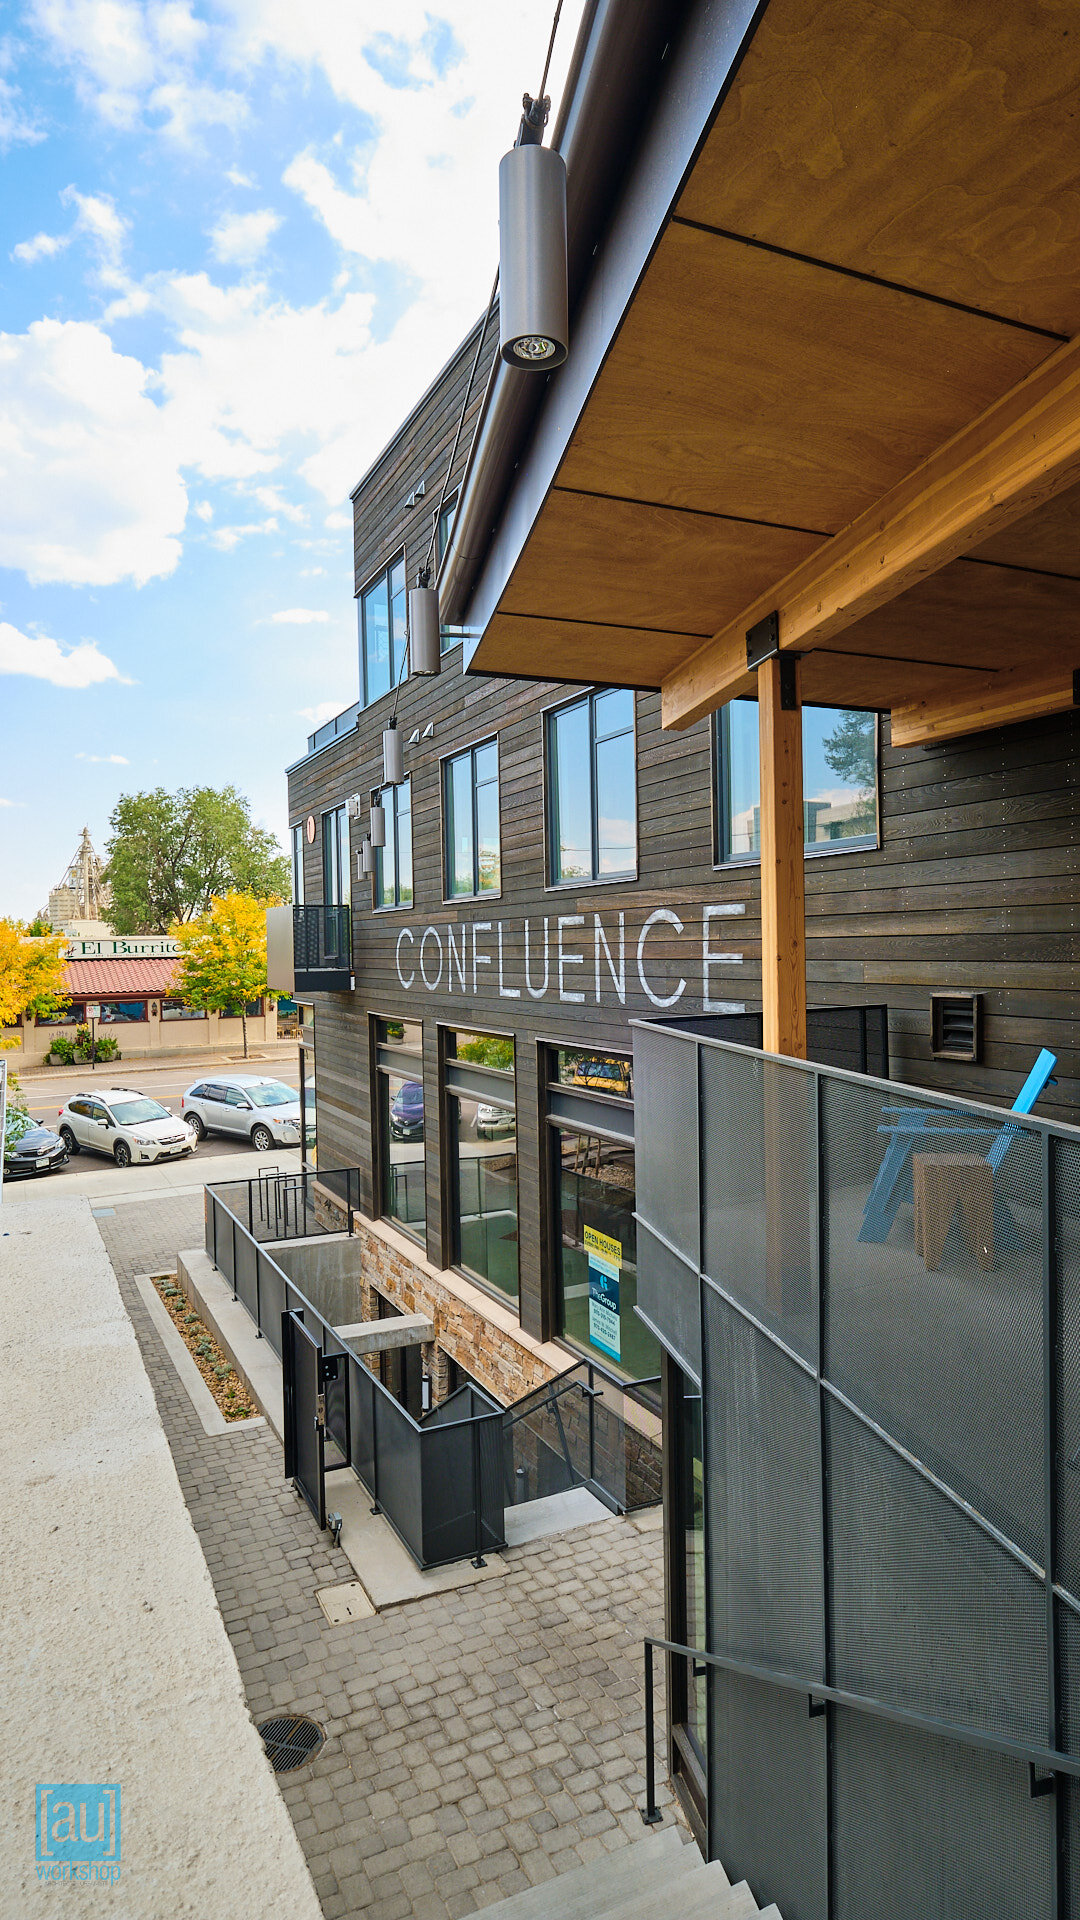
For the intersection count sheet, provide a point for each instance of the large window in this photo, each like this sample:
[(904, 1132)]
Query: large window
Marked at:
[(840, 779), (393, 863), (591, 1119), (296, 836), (173, 1009), (382, 632), (400, 1072), (335, 858), (592, 807), (471, 819), (480, 1097), (119, 1013)]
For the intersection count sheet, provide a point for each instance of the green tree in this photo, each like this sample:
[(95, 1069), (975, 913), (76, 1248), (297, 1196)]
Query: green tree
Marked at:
[(851, 751), (172, 853), (222, 961)]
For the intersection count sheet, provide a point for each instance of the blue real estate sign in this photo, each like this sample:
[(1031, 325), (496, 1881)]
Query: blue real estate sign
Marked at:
[(605, 1264)]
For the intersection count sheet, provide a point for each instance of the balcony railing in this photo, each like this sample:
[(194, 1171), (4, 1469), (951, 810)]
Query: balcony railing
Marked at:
[(879, 1289), (322, 949)]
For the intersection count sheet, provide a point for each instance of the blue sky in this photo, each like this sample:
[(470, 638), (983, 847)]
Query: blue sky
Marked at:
[(237, 240)]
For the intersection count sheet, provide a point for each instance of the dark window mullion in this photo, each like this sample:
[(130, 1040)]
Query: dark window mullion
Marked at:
[(594, 787)]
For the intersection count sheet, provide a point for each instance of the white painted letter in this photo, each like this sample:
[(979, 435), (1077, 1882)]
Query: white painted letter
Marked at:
[(430, 933), (672, 919), (505, 993), (479, 959), (618, 980), (710, 959), (537, 992), (569, 959), (405, 934), (456, 958)]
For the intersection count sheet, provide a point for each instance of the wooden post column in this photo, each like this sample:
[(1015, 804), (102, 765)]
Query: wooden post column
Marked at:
[(783, 894)]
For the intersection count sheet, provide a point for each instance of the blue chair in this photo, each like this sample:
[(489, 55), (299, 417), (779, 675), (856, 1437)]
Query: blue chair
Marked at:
[(918, 1127)]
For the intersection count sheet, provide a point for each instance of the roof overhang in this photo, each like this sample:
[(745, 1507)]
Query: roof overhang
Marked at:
[(820, 368)]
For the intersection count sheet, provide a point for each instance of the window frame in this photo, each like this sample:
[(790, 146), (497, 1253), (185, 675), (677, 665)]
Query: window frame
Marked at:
[(450, 1097), (386, 1063), (549, 716), (296, 844), (388, 797), (812, 850), (382, 574), (447, 761), (340, 842)]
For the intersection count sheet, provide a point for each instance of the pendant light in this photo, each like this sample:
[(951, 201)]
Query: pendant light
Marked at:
[(377, 828), (393, 757), (533, 309), (424, 645), (367, 856)]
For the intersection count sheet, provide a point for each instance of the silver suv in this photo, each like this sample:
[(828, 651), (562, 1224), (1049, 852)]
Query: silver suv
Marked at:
[(250, 1105), (125, 1124)]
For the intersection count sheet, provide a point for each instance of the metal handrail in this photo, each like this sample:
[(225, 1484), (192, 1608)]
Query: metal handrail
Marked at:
[(548, 1398), (1047, 1759)]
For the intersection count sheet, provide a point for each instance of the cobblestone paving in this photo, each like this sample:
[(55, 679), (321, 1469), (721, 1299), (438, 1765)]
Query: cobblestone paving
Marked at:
[(478, 1741)]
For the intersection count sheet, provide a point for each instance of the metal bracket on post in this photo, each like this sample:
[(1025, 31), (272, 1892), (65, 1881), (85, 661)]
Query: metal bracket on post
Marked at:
[(763, 643), (1040, 1784), (817, 1708)]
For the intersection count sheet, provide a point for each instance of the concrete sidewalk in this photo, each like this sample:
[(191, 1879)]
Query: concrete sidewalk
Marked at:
[(105, 1184), (115, 1666)]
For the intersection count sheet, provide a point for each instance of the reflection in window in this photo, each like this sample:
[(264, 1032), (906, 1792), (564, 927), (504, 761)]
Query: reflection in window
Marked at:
[(393, 863), (382, 632), (296, 836), (176, 1010), (401, 1122), (484, 1131), (593, 800), (335, 858), (840, 779), (596, 1072), (471, 813)]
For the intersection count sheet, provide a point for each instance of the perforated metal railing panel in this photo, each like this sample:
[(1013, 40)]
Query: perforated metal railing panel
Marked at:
[(889, 1292)]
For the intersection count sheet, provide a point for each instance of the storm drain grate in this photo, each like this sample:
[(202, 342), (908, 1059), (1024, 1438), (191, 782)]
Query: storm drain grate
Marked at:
[(291, 1740)]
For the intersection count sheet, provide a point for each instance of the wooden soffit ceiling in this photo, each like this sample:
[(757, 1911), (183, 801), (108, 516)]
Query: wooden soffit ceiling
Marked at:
[(879, 243)]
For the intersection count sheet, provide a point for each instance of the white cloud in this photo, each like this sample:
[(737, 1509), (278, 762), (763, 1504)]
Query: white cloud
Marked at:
[(226, 538), (298, 617), (42, 247), (323, 710), (88, 464), (14, 125), (12, 803), (238, 179), (204, 510), (136, 63), (44, 659), (104, 759), (240, 238)]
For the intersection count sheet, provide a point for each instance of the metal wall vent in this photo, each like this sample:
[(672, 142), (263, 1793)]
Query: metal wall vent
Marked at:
[(956, 1026), (291, 1740)]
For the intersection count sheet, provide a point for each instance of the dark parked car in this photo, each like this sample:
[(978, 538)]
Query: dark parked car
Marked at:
[(407, 1112), (38, 1150)]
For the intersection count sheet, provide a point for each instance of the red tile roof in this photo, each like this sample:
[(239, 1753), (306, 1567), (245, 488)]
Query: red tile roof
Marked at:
[(119, 979)]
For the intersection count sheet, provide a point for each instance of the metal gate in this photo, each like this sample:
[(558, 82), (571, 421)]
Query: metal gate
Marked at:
[(301, 1362)]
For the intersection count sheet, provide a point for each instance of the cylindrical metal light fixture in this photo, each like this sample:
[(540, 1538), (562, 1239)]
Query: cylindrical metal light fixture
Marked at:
[(393, 757), (533, 312), (367, 856), (377, 827), (424, 643)]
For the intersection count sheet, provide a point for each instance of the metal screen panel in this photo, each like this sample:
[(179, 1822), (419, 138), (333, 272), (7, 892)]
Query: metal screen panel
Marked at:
[(397, 1445), (759, 1190), (667, 1299), (362, 1422), (928, 1611), (665, 1125), (767, 1779), (763, 1470), (943, 1347), (272, 1300), (1066, 1168), (245, 1280), (929, 1830)]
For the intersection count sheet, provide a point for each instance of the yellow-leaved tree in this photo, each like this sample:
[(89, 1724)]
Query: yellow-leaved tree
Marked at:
[(222, 964), (31, 974)]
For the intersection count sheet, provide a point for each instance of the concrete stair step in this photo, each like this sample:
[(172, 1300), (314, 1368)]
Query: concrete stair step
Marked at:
[(602, 1888), (741, 1905), (702, 1894)]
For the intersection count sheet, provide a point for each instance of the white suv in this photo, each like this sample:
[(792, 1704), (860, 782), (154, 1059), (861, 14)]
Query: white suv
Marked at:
[(259, 1109), (125, 1124)]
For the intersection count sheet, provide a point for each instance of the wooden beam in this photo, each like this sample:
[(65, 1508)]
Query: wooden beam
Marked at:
[(998, 700), (783, 863), (1023, 451)]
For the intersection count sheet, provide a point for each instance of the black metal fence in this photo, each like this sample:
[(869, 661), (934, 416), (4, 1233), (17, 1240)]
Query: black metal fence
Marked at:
[(580, 1429), (439, 1483), (879, 1291), (294, 1205), (322, 947)]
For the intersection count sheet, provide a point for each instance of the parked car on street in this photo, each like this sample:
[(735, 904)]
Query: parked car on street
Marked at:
[(36, 1150), (124, 1124), (248, 1105), (491, 1120), (407, 1112)]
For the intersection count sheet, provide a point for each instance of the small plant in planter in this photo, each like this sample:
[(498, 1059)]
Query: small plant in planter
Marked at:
[(62, 1051), (108, 1048)]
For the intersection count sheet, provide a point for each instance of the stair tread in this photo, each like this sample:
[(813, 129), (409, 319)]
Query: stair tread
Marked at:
[(741, 1905), (702, 1895), (590, 1892)]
